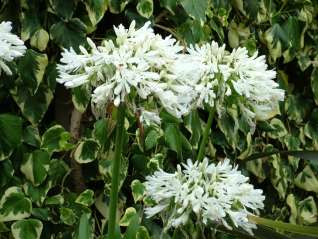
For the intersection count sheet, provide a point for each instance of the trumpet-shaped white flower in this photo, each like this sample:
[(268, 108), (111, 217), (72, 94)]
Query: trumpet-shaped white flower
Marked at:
[(11, 47), (149, 118), (217, 75), (138, 60), (215, 193)]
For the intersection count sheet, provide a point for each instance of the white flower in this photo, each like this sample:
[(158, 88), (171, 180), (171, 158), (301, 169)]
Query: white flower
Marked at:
[(137, 61), (218, 76), (149, 118), (11, 47), (215, 193)]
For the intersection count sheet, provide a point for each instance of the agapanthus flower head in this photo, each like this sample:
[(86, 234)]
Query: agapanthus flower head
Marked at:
[(217, 75), (11, 47), (212, 193), (138, 60)]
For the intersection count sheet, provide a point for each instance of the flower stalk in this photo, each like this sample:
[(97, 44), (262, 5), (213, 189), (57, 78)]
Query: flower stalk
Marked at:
[(205, 135), (116, 170)]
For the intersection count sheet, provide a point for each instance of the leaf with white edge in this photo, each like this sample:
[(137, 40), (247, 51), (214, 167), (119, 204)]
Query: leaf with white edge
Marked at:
[(129, 214), (33, 107), (14, 205), (81, 96), (27, 229), (58, 171), (35, 166), (138, 190), (151, 139), (96, 10), (31, 136), (86, 198), (68, 34), (314, 84), (55, 200), (195, 8), (40, 39), (56, 139), (32, 67), (30, 24), (86, 151), (280, 130), (67, 216), (7, 171), (10, 134), (145, 8), (64, 9), (307, 180), (37, 194)]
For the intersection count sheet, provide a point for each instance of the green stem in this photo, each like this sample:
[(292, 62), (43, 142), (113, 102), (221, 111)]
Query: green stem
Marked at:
[(116, 170), (205, 135)]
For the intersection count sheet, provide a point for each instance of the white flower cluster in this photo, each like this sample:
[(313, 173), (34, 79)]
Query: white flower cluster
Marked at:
[(138, 60), (216, 75), (11, 47), (215, 193)]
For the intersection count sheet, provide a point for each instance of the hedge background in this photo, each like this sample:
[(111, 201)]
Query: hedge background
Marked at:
[(50, 153)]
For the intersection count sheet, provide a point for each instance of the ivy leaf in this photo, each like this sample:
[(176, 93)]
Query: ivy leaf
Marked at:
[(86, 151), (129, 214), (85, 228), (40, 39), (33, 107), (64, 9), (37, 194), (96, 10), (173, 138), (67, 216), (56, 139), (31, 136), (195, 8), (10, 134), (27, 229), (32, 67), (14, 205), (307, 180), (151, 139), (86, 198), (68, 34), (81, 97), (138, 190), (314, 84), (145, 8), (36, 166), (29, 24)]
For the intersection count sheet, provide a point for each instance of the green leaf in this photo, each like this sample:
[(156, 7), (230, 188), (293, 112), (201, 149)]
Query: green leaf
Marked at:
[(138, 190), (63, 8), (85, 228), (86, 198), (40, 39), (287, 227), (56, 139), (132, 229), (128, 216), (102, 131), (173, 138), (27, 229), (81, 97), (117, 6), (195, 8), (32, 66), (96, 10), (33, 107), (170, 5), (35, 166), (37, 194), (67, 216), (6, 171), (145, 8), (280, 130), (297, 107), (86, 151), (307, 180), (193, 124), (31, 136), (55, 200), (314, 84), (229, 127), (151, 139), (68, 34), (30, 23), (14, 205), (10, 134), (142, 233)]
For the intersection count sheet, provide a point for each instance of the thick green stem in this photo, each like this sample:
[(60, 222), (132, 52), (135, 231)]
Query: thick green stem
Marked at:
[(200, 155), (116, 170)]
